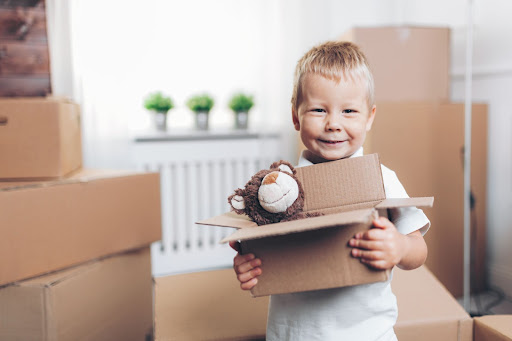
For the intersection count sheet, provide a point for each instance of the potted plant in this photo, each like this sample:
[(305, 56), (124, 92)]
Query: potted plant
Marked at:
[(159, 104), (241, 104), (201, 105)]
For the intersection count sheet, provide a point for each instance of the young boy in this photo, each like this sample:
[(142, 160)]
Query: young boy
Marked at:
[(333, 109)]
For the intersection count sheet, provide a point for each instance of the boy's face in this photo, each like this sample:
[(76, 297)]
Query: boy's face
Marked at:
[(332, 118)]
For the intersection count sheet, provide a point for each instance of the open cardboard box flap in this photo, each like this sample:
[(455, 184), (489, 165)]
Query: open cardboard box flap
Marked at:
[(346, 191), (349, 193)]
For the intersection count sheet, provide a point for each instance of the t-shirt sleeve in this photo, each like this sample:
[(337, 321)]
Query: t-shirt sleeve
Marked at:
[(407, 219)]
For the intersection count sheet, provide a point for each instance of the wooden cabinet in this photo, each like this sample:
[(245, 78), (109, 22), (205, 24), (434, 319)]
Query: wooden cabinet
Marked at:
[(24, 55)]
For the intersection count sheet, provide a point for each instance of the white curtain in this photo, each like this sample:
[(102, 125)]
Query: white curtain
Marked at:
[(108, 55)]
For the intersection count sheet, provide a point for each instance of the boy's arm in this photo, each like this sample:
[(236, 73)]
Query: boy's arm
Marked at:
[(383, 247)]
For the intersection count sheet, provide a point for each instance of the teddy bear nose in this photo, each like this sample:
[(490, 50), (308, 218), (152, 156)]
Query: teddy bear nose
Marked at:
[(270, 178)]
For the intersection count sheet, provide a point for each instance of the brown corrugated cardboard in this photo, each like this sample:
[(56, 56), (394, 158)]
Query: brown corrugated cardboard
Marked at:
[(493, 328), (40, 138), (109, 299), (211, 306), (426, 310), (207, 306), (46, 226), (423, 143), (408, 63), (349, 192)]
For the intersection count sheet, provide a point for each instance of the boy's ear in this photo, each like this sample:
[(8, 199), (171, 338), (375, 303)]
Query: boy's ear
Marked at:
[(295, 118), (371, 117)]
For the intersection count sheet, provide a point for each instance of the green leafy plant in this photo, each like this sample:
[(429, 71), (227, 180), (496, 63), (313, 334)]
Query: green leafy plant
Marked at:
[(200, 103), (158, 102), (241, 103)]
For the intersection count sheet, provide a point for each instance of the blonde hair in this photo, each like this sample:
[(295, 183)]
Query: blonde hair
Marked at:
[(334, 60)]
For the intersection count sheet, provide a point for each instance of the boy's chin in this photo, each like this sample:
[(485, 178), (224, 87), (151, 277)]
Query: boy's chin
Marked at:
[(325, 157)]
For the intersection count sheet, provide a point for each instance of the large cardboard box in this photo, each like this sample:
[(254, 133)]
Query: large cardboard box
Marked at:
[(211, 306), (423, 143), (408, 63), (493, 328), (108, 299), (46, 226), (40, 138), (426, 310), (207, 305), (349, 192)]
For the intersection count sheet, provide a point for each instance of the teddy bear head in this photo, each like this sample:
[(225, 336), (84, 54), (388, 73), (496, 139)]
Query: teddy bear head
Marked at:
[(271, 195)]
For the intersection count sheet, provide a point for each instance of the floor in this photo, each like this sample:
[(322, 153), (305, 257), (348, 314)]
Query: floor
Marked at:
[(492, 302)]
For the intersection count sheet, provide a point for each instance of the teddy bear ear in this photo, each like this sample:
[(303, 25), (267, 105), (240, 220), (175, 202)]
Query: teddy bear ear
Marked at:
[(237, 202), (283, 166)]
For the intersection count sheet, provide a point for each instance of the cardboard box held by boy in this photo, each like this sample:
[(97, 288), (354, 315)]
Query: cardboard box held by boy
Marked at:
[(313, 253)]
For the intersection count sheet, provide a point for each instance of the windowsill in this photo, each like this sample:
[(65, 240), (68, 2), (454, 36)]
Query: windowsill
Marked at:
[(199, 135)]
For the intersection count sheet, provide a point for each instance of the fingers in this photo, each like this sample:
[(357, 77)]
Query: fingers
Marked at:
[(377, 247), (371, 234), (247, 270), (381, 227), (382, 223), (374, 259), (247, 277), (377, 264), (244, 263), (366, 244), (367, 255), (249, 285)]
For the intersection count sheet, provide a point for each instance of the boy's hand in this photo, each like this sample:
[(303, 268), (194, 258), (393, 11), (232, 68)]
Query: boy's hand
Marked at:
[(381, 247), (246, 268)]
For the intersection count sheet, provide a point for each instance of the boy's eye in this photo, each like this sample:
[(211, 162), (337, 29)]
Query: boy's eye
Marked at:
[(348, 111), (317, 110)]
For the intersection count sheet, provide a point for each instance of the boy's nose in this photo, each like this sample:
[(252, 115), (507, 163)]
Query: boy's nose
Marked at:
[(333, 124)]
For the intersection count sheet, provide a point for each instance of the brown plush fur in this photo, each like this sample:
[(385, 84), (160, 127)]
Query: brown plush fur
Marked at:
[(252, 205)]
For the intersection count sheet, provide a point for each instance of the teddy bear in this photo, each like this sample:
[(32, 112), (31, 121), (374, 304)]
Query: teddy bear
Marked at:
[(271, 196)]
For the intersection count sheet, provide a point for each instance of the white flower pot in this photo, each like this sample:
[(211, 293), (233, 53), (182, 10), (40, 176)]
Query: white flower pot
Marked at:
[(202, 120), (160, 120), (241, 120)]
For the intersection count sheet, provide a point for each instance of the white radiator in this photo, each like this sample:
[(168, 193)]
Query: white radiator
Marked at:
[(197, 176)]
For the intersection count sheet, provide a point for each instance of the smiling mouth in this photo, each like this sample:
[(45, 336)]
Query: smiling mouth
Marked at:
[(331, 141)]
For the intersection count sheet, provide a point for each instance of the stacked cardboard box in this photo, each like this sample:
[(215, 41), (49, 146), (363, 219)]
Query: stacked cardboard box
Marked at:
[(434, 164), (40, 138), (219, 310), (419, 134), (74, 257), (107, 299), (408, 63), (493, 328)]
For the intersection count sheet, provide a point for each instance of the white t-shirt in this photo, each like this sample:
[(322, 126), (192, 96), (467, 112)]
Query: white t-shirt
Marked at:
[(360, 312)]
